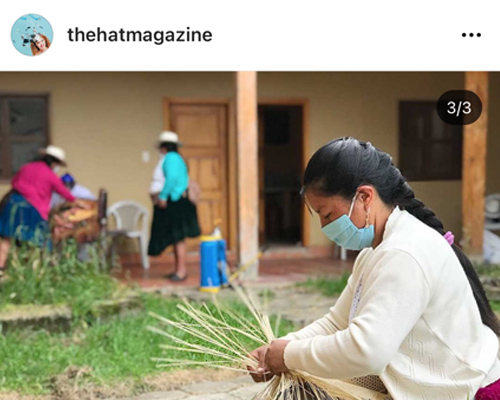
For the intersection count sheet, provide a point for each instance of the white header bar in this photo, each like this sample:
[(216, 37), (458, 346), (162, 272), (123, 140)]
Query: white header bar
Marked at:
[(270, 35)]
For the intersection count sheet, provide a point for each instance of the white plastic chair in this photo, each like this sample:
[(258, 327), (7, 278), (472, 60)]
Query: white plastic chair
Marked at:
[(492, 212), (131, 220)]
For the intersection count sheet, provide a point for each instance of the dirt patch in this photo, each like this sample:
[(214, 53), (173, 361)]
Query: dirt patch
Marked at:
[(175, 380), (66, 386), (15, 396), (74, 384)]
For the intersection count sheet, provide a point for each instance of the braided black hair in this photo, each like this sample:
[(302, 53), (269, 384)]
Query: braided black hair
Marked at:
[(342, 165)]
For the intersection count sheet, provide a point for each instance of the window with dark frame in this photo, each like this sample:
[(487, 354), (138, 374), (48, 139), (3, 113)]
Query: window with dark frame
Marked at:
[(429, 149), (23, 131)]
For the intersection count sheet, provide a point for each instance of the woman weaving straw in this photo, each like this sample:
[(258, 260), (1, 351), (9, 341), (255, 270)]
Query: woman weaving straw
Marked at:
[(414, 321), (24, 212)]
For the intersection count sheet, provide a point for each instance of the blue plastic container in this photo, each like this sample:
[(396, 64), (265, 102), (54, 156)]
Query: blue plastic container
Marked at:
[(213, 264)]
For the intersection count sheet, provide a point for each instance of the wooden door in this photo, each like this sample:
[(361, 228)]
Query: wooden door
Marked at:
[(203, 132)]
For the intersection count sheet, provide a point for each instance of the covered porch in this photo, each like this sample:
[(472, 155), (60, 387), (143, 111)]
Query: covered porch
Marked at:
[(249, 143), (294, 265), (110, 128)]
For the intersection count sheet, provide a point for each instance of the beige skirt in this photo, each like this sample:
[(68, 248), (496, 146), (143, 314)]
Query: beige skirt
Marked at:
[(372, 382)]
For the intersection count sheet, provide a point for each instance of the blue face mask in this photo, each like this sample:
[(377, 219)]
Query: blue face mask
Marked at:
[(347, 235)]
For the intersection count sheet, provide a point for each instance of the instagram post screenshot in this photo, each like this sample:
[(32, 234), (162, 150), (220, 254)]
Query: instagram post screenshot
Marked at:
[(249, 200)]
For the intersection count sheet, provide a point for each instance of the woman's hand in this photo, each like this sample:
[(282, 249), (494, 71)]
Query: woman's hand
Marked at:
[(261, 374), (62, 223), (274, 358), (162, 203)]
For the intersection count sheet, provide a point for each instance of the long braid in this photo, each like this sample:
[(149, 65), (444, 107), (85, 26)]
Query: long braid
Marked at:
[(405, 199)]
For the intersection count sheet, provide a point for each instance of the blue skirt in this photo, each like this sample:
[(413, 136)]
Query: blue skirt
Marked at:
[(20, 221)]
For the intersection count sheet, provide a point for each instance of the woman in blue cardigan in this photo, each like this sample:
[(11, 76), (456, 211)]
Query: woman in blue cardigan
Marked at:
[(175, 217)]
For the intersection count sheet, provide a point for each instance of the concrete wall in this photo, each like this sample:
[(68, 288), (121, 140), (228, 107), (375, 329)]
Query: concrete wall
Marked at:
[(106, 120)]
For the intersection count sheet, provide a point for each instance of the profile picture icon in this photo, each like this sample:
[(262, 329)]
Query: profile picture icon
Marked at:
[(32, 35)]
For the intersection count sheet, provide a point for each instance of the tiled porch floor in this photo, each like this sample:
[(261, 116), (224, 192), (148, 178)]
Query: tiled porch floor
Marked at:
[(272, 271)]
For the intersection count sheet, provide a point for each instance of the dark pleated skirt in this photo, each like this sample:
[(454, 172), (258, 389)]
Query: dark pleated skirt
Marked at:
[(173, 224), (21, 221)]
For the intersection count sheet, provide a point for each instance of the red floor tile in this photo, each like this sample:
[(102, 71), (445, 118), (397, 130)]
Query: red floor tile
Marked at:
[(270, 271)]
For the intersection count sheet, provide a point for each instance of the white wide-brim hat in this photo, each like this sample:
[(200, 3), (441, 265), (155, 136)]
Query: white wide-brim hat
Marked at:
[(169, 136), (55, 152)]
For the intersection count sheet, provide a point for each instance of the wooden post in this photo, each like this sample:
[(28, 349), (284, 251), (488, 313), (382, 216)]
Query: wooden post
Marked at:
[(248, 176), (474, 170)]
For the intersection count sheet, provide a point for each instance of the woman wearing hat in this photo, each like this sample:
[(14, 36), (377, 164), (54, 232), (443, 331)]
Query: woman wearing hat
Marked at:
[(25, 210), (175, 217), (39, 44)]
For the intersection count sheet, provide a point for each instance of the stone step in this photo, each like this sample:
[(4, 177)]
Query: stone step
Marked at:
[(58, 318)]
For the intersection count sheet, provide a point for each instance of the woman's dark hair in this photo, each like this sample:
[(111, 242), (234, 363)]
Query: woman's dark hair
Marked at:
[(169, 146), (47, 159), (342, 165)]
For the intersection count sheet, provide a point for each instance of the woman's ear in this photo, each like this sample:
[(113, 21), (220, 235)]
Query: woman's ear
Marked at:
[(366, 194)]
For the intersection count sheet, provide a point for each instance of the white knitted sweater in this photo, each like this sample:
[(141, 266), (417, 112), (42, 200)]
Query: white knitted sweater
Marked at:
[(408, 315)]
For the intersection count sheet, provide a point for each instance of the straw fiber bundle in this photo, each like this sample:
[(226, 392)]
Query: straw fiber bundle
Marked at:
[(224, 339)]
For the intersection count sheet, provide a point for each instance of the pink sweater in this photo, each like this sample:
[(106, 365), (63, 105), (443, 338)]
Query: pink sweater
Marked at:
[(35, 181)]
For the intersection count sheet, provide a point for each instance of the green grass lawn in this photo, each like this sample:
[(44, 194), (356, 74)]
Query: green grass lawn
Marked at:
[(121, 348), (327, 286), (112, 350)]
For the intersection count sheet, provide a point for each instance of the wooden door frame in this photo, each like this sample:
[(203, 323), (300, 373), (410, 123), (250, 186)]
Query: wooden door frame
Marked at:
[(231, 153), (304, 103)]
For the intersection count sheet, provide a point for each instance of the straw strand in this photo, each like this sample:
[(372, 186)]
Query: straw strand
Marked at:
[(222, 336)]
